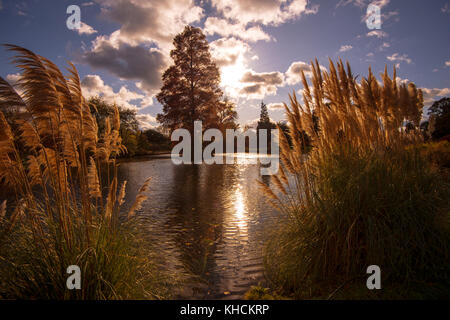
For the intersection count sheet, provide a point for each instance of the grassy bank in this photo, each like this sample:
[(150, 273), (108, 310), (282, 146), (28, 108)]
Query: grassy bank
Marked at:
[(51, 158), (368, 193)]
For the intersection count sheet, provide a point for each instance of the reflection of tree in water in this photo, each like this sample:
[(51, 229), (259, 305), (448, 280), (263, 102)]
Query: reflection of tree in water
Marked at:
[(197, 197)]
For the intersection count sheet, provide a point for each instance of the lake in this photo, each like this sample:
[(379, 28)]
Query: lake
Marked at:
[(209, 219)]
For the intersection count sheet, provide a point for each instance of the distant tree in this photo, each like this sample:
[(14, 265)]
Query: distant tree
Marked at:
[(129, 126), (155, 137), (227, 115), (102, 110), (265, 123), (439, 114), (264, 119), (190, 88)]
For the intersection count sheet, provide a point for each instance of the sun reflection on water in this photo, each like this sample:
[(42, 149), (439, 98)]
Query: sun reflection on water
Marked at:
[(240, 210)]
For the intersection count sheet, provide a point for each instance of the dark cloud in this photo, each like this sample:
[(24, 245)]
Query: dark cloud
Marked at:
[(128, 62), (268, 78)]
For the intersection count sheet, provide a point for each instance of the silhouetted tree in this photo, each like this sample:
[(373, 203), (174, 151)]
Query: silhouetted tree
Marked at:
[(440, 116), (102, 110), (227, 115), (265, 123), (190, 88)]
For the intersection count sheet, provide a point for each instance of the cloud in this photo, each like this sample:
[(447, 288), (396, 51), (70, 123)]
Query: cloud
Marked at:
[(93, 85), (139, 49), (146, 121), (258, 85), (269, 78), (446, 8), (345, 48), (377, 33), (384, 46), (363, 3), (130, 62), (13, 78), (293, 74), (266, 12), (257, 91), (237, 79), (85, 29), (430, 95), (228, 51), (275, 106), (398, 57), (222, 27), (156, 21)]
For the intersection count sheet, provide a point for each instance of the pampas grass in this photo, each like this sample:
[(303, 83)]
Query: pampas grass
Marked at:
[(59, 217), (363, 195)]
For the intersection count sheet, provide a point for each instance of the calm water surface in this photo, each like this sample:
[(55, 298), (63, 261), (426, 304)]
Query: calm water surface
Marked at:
[(209, 219)]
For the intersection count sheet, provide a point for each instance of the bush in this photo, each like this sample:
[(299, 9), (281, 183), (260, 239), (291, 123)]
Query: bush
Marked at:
[(391, 211)]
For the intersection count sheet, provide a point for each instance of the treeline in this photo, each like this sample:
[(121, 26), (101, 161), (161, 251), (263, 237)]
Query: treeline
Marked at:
[(437, 127), (138, 142)]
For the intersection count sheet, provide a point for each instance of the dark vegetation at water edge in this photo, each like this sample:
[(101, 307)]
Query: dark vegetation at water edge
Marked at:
[(137, 141)]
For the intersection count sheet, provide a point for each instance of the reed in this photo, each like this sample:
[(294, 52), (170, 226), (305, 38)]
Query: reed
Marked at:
[(51, 159), (363, 195)]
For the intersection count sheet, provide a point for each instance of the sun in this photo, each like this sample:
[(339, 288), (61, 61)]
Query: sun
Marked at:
[(231, 75)]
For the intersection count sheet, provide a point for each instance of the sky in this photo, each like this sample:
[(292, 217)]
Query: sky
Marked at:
[(260, 46)]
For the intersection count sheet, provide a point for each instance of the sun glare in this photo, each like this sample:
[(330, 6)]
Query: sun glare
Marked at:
[(231, 76)]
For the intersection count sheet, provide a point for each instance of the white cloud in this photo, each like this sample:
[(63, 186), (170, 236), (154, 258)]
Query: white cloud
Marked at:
[(345, 48), (398, 57), (156, 21), (267, 12), (13, 78), (377, 33), (293, 74), (146, 121), (85, 29), (275, 106), (222, 27), (93, 85)]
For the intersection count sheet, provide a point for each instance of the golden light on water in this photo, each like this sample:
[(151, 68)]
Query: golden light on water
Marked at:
[(240, 209)]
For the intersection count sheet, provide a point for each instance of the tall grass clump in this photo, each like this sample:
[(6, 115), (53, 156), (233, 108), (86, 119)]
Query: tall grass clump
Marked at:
[(58, 213), (364, 195)]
